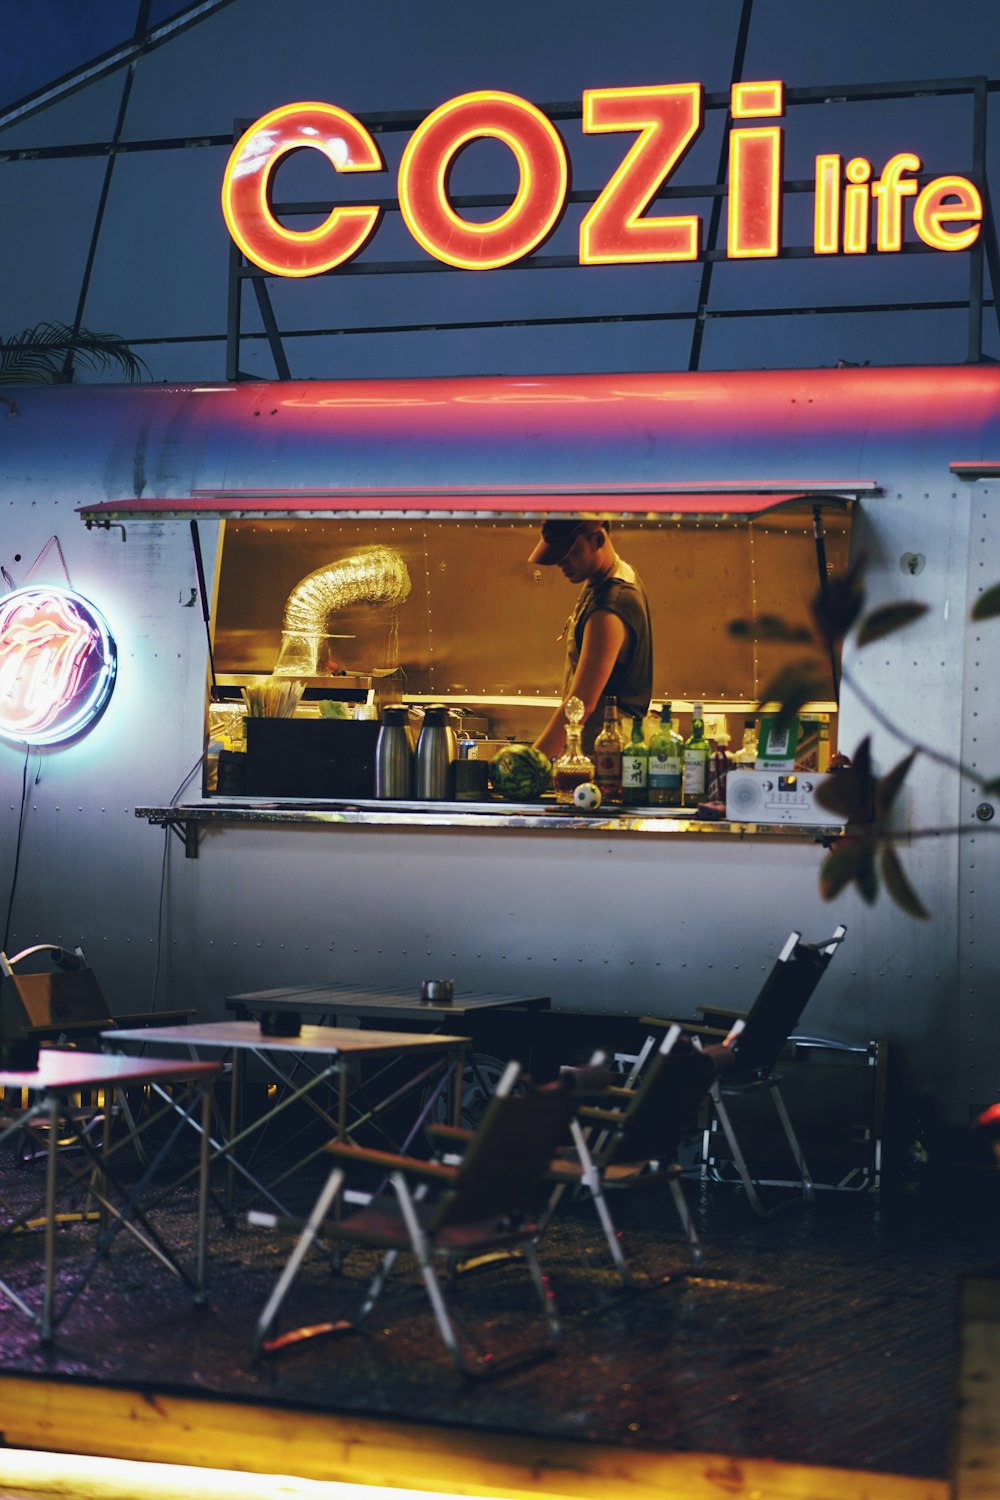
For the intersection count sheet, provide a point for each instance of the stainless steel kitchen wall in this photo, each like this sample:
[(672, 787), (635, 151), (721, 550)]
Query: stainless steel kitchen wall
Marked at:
[(631, 922), (479, 621)]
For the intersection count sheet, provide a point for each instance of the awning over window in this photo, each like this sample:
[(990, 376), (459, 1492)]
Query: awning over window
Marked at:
[(713, 502), (976, 468)]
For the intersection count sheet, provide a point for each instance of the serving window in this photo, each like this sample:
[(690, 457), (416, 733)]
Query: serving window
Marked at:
[(419, 610)]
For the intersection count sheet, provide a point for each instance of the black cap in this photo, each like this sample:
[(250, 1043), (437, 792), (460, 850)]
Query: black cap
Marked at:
[(558, 537)]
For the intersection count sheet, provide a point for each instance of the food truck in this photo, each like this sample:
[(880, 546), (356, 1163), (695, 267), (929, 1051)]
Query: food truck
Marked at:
[(189, 518)]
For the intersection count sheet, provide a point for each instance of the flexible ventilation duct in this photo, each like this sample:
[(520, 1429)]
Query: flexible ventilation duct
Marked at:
[(376, 576)]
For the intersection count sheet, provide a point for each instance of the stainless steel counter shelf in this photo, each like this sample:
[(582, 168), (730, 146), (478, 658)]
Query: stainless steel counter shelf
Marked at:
[(188, 820)]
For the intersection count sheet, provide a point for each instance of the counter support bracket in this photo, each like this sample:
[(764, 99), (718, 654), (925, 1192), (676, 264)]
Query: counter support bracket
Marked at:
[(186, 829)]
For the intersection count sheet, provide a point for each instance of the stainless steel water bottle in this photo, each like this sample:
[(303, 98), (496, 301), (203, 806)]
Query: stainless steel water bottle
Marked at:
[(437, 750), (393, 755)]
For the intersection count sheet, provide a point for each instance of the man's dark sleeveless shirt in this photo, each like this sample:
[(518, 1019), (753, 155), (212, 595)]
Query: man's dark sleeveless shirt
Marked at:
[(631, 680)]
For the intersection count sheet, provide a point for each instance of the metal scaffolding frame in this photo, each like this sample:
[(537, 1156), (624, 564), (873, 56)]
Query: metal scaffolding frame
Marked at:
[(983, 254)]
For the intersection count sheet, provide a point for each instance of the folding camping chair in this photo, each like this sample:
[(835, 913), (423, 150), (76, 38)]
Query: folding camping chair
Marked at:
[(64, 1006), (755, 1041), (630, 1136), (479, 1205)]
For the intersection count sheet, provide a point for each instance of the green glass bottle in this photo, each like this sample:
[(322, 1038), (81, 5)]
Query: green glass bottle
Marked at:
[(665, 756), (635, 767), (696, 754)]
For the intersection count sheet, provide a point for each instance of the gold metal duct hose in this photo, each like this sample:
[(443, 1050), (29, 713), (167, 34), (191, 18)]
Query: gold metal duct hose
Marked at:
[(376, 576)]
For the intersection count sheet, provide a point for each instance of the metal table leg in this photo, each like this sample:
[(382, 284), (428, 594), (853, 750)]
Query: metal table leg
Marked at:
[(235, 1123), (203, 1167), (50, 1219)]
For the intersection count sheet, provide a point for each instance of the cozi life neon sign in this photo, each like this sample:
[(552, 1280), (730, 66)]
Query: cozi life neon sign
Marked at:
[(58, 661), (616, 230)]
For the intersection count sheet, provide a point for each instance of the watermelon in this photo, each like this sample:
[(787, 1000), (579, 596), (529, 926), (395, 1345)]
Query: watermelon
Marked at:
[(520, 773)]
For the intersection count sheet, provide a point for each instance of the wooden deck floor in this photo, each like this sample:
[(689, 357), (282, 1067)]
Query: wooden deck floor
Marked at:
[(823, 1336)]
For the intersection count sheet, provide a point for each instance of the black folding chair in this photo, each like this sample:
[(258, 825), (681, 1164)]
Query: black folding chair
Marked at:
[(476, 1206), (755, 1041), (630, 1136)]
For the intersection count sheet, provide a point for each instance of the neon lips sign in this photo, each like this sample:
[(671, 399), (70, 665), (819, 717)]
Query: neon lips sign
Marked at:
[(850, 200), (57, 665)]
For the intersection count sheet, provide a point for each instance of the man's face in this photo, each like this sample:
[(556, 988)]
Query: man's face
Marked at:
[(580, 561)]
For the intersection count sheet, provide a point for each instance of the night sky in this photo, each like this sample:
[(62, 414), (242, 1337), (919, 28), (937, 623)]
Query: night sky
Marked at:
[(161, 251)]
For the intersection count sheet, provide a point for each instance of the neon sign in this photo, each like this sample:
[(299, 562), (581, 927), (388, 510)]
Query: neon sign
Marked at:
[(617, 229), (57, 665)]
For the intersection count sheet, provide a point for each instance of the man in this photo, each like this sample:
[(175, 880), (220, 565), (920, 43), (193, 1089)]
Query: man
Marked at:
[(609, 648)]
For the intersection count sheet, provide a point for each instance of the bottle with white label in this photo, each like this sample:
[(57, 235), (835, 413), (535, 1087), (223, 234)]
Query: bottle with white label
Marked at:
[(696, 754), (665, 753), (635, 767)]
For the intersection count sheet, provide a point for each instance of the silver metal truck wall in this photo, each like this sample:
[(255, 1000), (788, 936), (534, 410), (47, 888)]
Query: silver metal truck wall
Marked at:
[(629, 923)]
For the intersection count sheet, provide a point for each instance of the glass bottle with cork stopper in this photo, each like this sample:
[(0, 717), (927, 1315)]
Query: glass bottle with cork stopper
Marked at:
[(573, 766)]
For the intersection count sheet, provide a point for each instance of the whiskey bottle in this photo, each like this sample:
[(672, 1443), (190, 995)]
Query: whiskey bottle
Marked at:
[(608, 754)]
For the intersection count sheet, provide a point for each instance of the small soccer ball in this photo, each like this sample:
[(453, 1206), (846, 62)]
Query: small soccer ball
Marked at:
[(587, 796)]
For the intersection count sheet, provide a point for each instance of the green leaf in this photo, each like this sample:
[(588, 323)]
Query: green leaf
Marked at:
[(839, 794), (770, 628), (887, 619), (987, 606), (887, 789), (866, 879), (899, 887), (836, 607), (37, 355), (838, 868), (992, 788), (862, 763), (791, 688), (849, 792), (849, 860)]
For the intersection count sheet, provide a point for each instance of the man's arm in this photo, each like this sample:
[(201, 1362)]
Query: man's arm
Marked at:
[(604, 635)]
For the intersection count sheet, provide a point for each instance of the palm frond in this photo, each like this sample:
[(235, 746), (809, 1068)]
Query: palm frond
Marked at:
[(37, 355)]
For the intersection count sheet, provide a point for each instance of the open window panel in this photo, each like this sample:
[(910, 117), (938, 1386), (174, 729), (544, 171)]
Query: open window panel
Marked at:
[(377, 609)]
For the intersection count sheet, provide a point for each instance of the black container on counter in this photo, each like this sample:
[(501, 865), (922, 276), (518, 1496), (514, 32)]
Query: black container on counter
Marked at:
[(310, 757), (472, 780), (232, 777)]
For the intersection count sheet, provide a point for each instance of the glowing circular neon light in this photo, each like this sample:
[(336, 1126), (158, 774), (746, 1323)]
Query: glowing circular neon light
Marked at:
[(58, 661)]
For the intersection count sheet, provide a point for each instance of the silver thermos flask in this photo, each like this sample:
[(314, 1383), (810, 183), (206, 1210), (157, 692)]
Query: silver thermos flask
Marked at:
[(437, 750), (393, 755)]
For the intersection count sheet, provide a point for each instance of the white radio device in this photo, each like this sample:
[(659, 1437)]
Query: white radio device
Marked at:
[(776, 797)]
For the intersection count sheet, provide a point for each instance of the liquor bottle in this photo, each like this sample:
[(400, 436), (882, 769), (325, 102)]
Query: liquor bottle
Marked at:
[(720, 763), (746, 755), (608, 754), (635, 767), (665, 753), (572, 767), (696, 752)]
